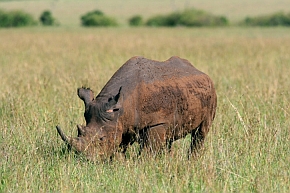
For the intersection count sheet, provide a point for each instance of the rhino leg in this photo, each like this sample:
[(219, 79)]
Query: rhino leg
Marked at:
[(197, 138), (154, 139)]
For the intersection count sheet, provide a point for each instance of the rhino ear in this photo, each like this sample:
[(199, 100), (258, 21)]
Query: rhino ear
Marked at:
[(86, 94), (115, 102), (81, 130)]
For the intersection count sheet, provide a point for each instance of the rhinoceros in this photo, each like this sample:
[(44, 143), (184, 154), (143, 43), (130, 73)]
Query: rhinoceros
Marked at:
[(150, 102)]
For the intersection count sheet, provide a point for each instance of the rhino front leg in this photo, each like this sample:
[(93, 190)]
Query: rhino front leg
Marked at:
[(154, 139)]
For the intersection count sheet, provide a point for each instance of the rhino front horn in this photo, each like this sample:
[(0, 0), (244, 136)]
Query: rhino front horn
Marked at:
[(62, 135)]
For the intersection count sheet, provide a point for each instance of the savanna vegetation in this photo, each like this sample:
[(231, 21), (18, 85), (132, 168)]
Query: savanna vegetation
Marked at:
[(47, 19), (274, 19), (136, 20), (16, 18), (188, 17), (247, 149), (151, 13), (97, 18)]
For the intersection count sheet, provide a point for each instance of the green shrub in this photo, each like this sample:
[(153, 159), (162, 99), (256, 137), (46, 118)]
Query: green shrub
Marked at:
[(47, 19), (276, 19), (16, 18), (158, 20), (193, 17), (136, 20), (170, 20), (188, 17), (173, 19), (95, 12), (97, 18)]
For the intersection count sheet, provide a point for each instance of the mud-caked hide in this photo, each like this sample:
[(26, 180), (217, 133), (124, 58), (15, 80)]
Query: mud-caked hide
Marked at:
[(153, 103)]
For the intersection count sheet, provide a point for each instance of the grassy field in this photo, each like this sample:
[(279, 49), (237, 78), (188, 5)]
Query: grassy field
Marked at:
[(68, 12), (247, 149)]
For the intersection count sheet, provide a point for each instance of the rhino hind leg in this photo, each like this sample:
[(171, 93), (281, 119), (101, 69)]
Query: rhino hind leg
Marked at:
[(197, 139)]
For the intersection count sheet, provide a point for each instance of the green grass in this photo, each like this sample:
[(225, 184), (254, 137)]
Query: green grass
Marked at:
[(247, 149)]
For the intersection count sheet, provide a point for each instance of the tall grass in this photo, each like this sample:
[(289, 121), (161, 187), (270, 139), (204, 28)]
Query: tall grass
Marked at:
[(247, 149)]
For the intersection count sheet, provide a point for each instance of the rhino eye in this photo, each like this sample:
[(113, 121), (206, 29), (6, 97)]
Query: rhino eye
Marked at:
[(102, 138)]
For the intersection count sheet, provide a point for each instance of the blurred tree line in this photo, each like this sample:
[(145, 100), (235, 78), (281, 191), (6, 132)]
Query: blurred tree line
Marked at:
[(188, 17), (18, 18)]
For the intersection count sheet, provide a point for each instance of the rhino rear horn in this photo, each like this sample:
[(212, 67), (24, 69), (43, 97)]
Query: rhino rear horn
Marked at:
[(86, 94)]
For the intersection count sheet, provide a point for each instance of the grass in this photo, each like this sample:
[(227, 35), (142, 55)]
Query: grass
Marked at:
[(247, 149)]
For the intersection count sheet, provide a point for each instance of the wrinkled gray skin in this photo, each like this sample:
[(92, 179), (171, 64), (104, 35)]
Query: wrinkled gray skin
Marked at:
[(151, 102)]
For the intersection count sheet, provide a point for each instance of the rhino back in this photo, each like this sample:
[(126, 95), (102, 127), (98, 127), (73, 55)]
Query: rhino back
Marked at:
[(139, 70), (172, 92)]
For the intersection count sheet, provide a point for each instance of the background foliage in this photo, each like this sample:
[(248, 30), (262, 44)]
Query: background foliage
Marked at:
[(47, 19), (15, 18), (69, 12), (136, 20), (276, 19), (188, 17), (97, 18)]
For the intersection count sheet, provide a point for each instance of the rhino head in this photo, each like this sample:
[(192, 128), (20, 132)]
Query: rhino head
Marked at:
[(102, 135)]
